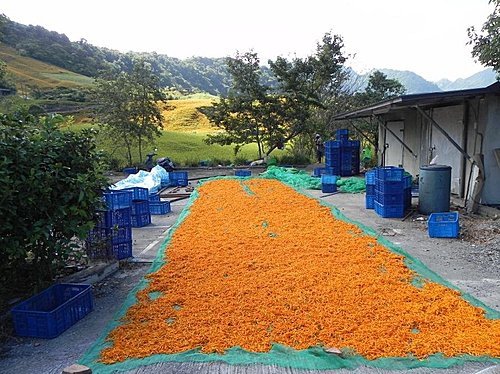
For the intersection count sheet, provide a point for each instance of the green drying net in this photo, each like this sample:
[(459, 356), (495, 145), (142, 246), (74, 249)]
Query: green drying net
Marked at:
[(351, 185), (293, 177)]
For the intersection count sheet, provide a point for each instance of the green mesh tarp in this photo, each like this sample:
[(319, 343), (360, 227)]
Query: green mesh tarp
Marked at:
[(351, 185), (293, 177), (314, 358)]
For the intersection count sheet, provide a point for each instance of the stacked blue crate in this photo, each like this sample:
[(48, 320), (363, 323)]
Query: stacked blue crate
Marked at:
[(328, 183), (370, 189), (112, 235), (140, 213), (389, 192), (342, 155)]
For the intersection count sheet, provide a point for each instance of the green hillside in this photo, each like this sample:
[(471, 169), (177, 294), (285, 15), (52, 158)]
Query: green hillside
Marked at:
[(28, 73)]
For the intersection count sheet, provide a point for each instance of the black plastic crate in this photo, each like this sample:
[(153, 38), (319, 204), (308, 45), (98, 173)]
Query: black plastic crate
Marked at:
[(52, 311)]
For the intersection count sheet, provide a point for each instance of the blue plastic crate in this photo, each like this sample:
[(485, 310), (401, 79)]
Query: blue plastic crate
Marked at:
[(329, 179), (154, 198), (332, 170), (122, 251), (178, 178), (141, 220), (370, 177), (351, 144), (140, 207), (389, 186), (52, 311), (317, 172), (114, 218), (390, 173), (243, 173), (328, 188), (389, 198), (162, 207), (408, 180), (138, 193), (331, 144), (389, 211), (370, 202), (112, 234), (370, 190), (443, 225), (342, 134), (117, 199)]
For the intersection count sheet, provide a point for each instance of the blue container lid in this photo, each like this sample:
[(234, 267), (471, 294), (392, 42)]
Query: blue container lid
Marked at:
[(435, 167)]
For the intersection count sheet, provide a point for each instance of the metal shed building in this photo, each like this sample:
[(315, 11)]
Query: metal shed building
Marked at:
[(456, 128)]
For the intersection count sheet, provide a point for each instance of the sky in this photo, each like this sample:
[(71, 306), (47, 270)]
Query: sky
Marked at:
[(428, 37)]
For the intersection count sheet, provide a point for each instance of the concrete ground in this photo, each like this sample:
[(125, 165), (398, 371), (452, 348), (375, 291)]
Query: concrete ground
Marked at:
[(466, 265)]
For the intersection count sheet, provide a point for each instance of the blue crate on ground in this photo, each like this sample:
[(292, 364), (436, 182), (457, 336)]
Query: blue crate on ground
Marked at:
[(178, 178), (122, 251), (370, 189), (328, 188), (52, 311), (117, 199), (141, 220), (140, 207), (389, 211), (370, 201), (389, 198), (138, 193), (243, 173), (329, 179), (370, 177), (390, 173), (389, 186), (317, 172), (443, 225), (162, 207), (154, 198), (113, 218)]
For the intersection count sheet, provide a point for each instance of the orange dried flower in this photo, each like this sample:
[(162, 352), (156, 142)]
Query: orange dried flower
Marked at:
[(256, 263)]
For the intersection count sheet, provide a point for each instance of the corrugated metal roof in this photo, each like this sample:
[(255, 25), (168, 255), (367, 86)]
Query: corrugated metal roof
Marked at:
[(424, 100)]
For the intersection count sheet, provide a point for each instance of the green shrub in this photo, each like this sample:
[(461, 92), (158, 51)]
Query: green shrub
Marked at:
[(50, 184)]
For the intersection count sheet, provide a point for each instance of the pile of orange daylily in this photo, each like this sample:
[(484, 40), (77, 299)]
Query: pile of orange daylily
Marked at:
[(256, 263)]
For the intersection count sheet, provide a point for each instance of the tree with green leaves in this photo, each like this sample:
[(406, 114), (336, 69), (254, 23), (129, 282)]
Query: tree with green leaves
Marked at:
[(273, 115), (50, 185), (127, 104), (486, 43), (5, 82)]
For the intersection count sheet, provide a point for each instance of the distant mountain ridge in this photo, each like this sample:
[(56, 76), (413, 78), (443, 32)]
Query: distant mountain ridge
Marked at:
[(415, 84), (196, 74)]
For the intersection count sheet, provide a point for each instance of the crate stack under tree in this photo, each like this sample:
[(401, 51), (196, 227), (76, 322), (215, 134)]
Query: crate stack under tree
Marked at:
[(342, 155), (112, 235), (392, 191)]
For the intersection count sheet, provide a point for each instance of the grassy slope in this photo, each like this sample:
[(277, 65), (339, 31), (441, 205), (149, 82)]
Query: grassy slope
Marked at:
[(31, 73), (182, 114)]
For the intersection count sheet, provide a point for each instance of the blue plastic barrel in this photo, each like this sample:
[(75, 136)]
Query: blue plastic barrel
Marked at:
[(434, 183)]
